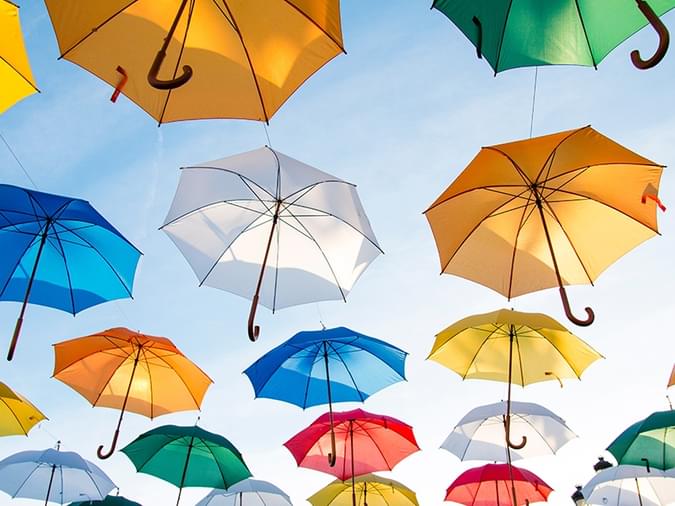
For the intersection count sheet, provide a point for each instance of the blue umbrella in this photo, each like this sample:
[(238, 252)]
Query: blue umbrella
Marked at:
[(61, 253), (326, 366)]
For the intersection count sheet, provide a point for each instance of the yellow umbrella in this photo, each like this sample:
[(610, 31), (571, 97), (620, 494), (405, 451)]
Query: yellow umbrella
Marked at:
[(549, 211), (17, 414), (224, 59), (370, 490), (16, 78)]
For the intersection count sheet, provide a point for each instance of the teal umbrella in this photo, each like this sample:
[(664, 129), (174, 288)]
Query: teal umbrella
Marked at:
[(187, 457), (649, 442), (525, 33), (111, 500)]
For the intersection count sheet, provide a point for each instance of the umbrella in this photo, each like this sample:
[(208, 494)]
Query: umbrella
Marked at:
[(626, 485), (17, 414), (230, 216), (126, 370), (365, 443), (52, 475), (649, 442), (549, 211), (61, 253), (15, 74), (247, 492), (371, 490), (235, 59), (582, 32), (187, 457), (326, 366), (111, 500), (490, 485), (479, 435), (671, 380)]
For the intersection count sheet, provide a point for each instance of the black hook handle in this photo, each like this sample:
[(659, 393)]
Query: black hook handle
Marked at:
[(107, 454), (168, 84), (568, 311), (332, 456), (479, 43), (664, 38), (253, 330)]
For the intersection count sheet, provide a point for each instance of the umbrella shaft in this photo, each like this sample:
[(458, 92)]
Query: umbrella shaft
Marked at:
[(548, 238), (267, 250), (351, 444), (49, 487), (185, 468)]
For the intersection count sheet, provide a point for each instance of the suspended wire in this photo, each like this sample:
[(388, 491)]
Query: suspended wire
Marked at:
[(25, 171), (534, 97), (318, 310), (267, 134)]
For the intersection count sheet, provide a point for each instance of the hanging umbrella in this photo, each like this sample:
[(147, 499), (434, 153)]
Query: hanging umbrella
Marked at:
[(626, 485), (17, 415), (247, 492), (52, 476), (479, 435), (15, 74), (326, 366), (365, 443), (126, 370), (230, 216), (671, 380), (111, 500), (229, 59), (371, 490), (187, 457), (61, 253), (582, 32), (490, 485), (649, 442), (549, 211)]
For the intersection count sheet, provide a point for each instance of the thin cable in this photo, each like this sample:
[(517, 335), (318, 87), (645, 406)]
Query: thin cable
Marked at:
[(318, 310), (9, 148), (267, 134), (534, 96)]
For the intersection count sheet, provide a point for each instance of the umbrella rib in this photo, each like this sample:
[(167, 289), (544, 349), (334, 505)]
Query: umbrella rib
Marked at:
[(579, 172), (303, 14), (107, 382), (245, 180), (65, 264), (91, 477), (527, 421), (501, 39), (197, 405), (18, 263), (306, 189), (215, 459), (23, 429), (528, 182), (363, 429), (171, 440), (39, 464), (21, 74), (75, 360), (523, 220), (487, 338), (220, 202), (476, 188), (309, 377), (578, 375), (549, 158), (588, 42), (348, 371)]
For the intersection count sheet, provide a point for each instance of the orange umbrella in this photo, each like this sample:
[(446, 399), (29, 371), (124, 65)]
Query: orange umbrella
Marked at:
[(671, 380), (122, 369)]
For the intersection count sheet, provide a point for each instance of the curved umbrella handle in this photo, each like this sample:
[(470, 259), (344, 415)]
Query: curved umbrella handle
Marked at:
[(332, 456), (253, 330), (646, 461), (113, 445), (479, 43), (568, 311), (664, 38), (507, 428), (169, 84)]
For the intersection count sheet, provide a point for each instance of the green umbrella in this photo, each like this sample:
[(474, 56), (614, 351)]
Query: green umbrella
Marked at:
[(649, 442), (187, 457), (111, 500), (524, 33)]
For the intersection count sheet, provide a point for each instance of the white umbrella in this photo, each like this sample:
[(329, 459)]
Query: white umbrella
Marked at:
[(480, 435), (248, 492), (53, 476), (626, 485), (272, 229)]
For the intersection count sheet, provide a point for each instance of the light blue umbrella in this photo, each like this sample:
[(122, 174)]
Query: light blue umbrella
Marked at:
[(327, 366), (248, 492), (59, 252), (53, 476)]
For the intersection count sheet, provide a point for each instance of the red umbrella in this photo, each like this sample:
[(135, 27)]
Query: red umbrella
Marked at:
[(496, 485), (365, 443)]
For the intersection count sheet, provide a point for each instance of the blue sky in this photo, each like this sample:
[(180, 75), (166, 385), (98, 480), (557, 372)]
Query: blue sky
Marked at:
[(400, 115)]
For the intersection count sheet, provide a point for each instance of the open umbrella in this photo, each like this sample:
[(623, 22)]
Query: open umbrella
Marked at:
[(649, 442), (111, 500), (490, 485), (61, 253), (671, 380), (15, 74), (226, 59), (272, 229), (17, 414), (549, 211), (626, 485), (365, 443), (371, 490), (248, 492), (187, 457), (52, 476), (479, 435), (126, 370), (518, 33), (327, 366)]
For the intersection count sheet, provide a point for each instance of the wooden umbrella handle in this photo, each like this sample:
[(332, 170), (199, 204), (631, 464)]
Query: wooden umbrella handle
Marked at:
[(664, 38)]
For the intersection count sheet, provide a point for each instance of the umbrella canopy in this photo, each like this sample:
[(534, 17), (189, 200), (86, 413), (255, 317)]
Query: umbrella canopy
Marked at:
[(229, 217), (491, 484), (126, 370), (371, 490), (230, 59), (671, 380), (17, 415), (479, 435), (53, 476), (512, 34), (15, 74), (649, 442), (187, 457), (247, 492), (626, 485), (548, 211), (61, 253), (111, 500)]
